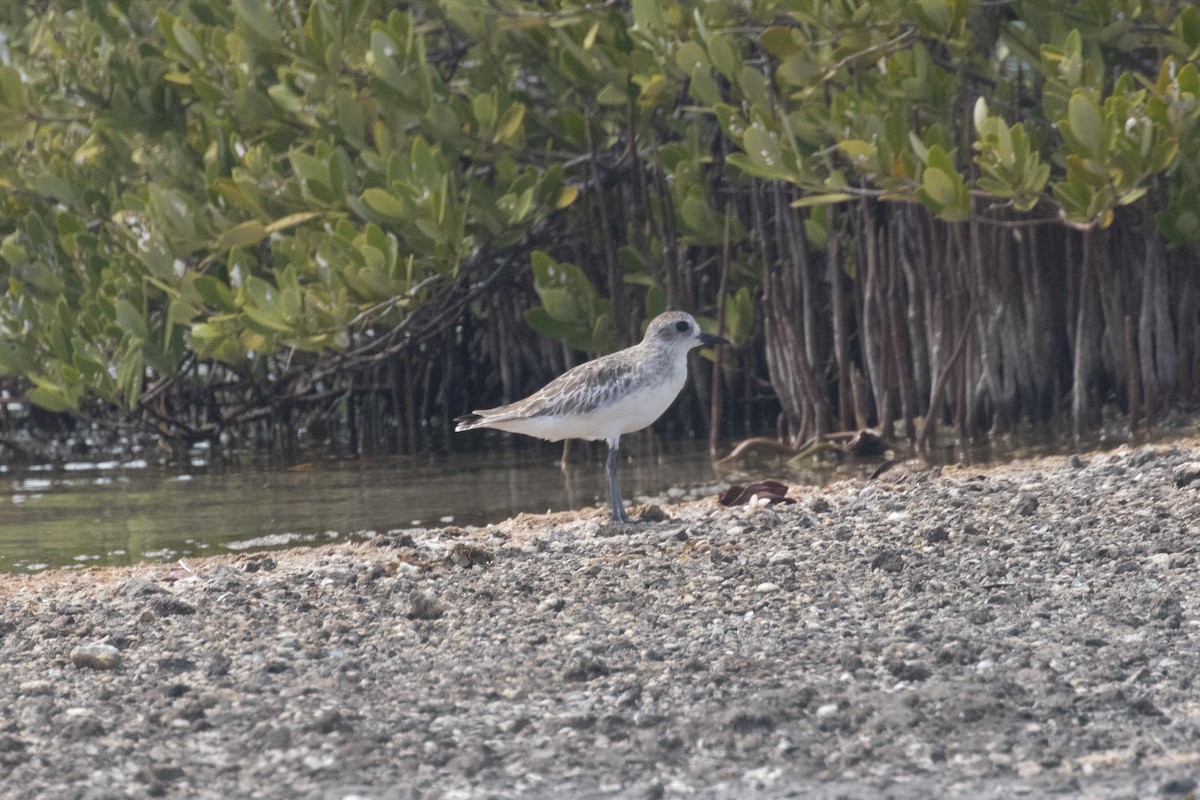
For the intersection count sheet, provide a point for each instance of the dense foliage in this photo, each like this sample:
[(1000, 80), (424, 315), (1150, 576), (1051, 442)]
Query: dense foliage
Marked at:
[(280, 212)]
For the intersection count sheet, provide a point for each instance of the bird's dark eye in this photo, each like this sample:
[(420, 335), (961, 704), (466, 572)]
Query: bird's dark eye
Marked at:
[(682, 326)]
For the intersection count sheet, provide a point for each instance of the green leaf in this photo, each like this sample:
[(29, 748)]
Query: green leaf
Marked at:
[(12, 91), (821, 199), (246, 234), (258, 20), (939, 186), (1083, 116), (292, 220), (213, 292), (383, 203), (187, 42), (510, 124), (540, 320), (689, 56), (762, 146), (267, 318), (15, 358), (130, 319), (648, 15), (285, 98), (935, 15), (611, 95), (51, 398), (723, 55), (780, 41), (862, 154)]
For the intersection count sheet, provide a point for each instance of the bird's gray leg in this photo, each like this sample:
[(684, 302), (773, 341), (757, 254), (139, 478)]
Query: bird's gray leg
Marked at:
[(614, 491)]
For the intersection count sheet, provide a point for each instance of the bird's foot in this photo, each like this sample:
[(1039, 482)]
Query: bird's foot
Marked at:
[(623, 518)]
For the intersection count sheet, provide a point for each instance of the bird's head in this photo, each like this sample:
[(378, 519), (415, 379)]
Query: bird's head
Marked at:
[(678, 329)]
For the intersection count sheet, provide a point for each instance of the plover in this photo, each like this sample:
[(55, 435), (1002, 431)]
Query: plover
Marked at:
[(609, 396)]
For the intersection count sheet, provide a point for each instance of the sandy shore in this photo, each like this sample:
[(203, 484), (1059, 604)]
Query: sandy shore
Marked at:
[(1026, 630)]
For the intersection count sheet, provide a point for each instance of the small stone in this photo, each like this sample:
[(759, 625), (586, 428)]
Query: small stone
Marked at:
[(34, 687), (168, 774), (937, 534), (1159, 561), (1075, 462), (1166, 608), (745, 720), (84, 726), (264, 563), (912, 671), (1186, 474), (585, 669), (888, 561), (651, 513), (425, 606), (135, 587), (1025, 504), (95, 655), (218, 666), (176, 690), (171, 606), (1183, 786), (675, 534), (827, 711), (11, 744), (767, 588), (1142, 458), (393, 539), (176, 664), (1144, 705), (552, 604), (329, 721), (820, 506), (468, 556)]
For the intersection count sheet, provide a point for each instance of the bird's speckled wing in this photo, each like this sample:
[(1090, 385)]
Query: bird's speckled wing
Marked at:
[(580, 390)]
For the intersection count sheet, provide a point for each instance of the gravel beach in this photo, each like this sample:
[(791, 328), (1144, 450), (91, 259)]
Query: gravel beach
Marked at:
[(1023, 630)]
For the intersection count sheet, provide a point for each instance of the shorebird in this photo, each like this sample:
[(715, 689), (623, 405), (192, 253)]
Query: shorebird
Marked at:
[(609, 396)]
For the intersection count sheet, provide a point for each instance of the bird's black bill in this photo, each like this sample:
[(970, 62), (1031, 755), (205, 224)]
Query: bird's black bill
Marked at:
[(712, 340)]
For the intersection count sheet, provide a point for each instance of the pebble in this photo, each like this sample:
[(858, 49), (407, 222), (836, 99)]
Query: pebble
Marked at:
[(35, 687), (96, 655), (1186, 474), (1025, 505), (425, 606)]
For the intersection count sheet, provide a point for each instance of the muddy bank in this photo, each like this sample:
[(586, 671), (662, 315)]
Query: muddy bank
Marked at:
[(1025, 630)]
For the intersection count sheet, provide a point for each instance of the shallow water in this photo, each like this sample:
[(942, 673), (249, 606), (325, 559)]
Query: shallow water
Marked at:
[(120, 512), (80, 514)]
